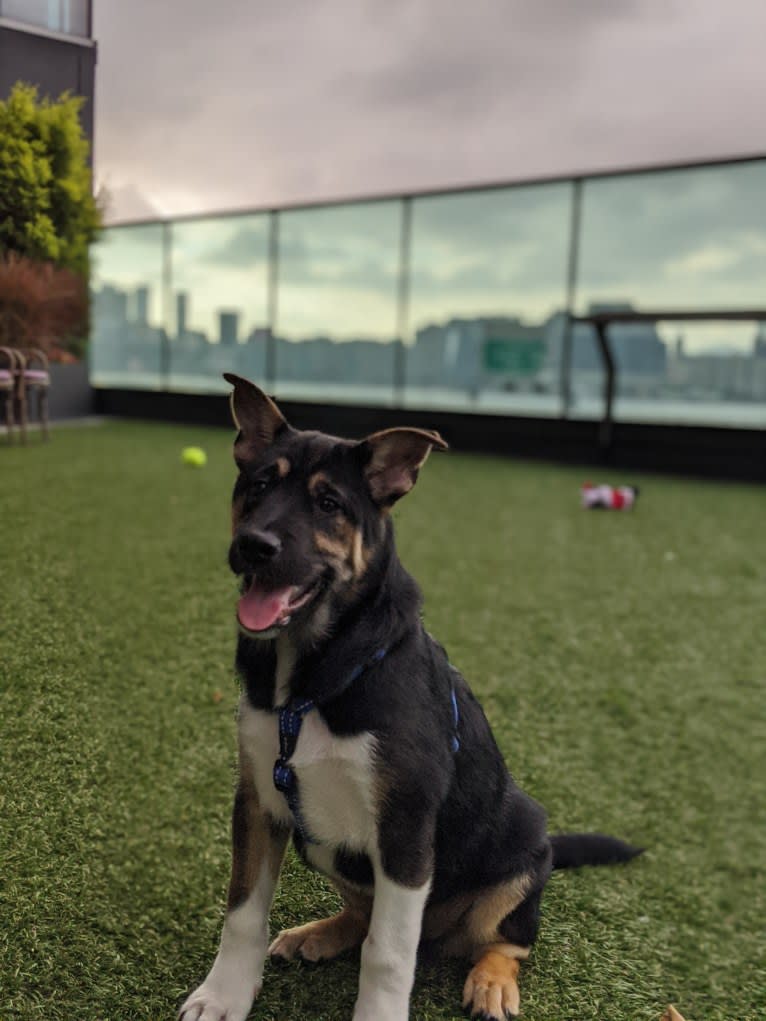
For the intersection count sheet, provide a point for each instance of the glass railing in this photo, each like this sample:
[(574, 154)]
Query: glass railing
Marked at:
[(217, 314), (72, 17), (488, 272), (335, 321), (129, 308), (456, 301), (691, 239)]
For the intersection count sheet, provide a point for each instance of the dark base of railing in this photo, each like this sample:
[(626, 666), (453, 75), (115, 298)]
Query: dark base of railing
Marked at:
[(702, 451)]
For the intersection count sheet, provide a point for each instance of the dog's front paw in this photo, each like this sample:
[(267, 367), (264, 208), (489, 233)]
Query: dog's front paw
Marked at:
[(287, 946), (211, 1004), (490, 992), (322, 940)]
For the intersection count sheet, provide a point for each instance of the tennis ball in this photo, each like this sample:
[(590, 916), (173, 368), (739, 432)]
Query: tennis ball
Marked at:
[(195, 457)]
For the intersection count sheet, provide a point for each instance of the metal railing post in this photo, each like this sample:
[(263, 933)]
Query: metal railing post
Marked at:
[(403, 302), (272, 298), (167, 303), (572, 269)]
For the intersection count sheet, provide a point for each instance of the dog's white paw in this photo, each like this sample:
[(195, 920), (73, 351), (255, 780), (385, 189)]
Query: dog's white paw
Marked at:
[(211, 1004)]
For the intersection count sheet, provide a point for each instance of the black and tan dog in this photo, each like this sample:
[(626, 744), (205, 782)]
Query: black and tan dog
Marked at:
[(358, 738)]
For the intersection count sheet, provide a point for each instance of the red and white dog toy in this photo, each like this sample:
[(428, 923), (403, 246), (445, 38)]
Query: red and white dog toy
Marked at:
[(603, 497)]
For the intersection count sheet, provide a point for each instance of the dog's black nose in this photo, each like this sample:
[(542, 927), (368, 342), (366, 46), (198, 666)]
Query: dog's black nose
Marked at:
[(258, 547)]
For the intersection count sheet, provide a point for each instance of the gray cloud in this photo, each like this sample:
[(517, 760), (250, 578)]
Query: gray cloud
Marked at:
[(248, 245), (636, 230), (237, 104), (673, 238)]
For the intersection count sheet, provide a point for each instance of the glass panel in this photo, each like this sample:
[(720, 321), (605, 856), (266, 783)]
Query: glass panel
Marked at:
[(218, 317), (337, 311), (690, 240), (74, 17), (126, 313), (68, 16), (488, 300)]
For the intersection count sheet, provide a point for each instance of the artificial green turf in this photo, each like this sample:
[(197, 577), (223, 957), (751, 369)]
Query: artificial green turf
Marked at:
[(620, 659)]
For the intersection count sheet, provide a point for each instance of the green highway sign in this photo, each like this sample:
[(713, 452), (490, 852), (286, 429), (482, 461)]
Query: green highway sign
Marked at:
[(513, 357)]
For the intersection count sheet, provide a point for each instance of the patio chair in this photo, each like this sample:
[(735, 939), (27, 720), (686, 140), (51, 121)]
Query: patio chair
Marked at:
[(9, 360), (33, 377)]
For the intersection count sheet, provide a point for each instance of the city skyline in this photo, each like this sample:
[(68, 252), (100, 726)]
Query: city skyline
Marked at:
[(139, 300), (692, 238), (489, 354)]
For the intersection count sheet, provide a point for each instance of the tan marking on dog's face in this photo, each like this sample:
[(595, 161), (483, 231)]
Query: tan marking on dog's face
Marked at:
[(283, 467), (480, 926), (360, 556), (345, 548), (315, 481), (357, 557), (333, 548)]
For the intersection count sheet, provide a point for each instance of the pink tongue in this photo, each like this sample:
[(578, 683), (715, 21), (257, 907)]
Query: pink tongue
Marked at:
[(258, 610)]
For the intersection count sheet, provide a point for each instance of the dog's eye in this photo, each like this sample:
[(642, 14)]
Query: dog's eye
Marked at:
[(328, 505), (258, 486)]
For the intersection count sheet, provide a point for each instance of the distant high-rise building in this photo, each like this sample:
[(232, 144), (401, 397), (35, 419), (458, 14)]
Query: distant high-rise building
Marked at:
[(141, 306), (228, 328), (182, 307), (110, 304)]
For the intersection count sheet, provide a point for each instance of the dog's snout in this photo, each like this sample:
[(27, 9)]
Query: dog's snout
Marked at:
[(258, 547)]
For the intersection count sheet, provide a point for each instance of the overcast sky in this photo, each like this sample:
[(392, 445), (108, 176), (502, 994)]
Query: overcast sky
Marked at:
[(203, 106)]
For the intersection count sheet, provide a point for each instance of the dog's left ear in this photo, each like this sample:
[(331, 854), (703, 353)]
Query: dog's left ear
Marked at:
[(393, 459), (256, 416)]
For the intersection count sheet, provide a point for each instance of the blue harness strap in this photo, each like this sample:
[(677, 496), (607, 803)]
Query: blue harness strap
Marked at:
[(291, 718), (455, 720), (286, 782)]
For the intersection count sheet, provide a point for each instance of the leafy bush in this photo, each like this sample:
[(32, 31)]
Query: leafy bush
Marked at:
[(42, 305), (48, 219), (47, 209)]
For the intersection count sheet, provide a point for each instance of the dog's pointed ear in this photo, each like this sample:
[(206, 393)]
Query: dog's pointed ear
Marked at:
[(256, 416), (393, 458)]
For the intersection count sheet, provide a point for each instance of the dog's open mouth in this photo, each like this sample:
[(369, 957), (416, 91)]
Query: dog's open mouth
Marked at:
[(261, 609)]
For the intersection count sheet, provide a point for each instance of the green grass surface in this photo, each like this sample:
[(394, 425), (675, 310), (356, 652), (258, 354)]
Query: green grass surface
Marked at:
[(620, 659)]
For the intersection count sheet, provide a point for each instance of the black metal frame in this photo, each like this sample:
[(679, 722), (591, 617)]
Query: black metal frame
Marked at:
[(697, 451), (601, 321)]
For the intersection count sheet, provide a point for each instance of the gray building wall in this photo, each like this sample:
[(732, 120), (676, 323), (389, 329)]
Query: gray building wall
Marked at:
[(52, 61)]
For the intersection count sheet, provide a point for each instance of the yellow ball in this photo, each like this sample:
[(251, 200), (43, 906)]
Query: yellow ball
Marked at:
[(195, 457)]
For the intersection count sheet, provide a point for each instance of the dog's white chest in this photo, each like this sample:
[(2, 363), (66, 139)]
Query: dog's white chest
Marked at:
[(335, 778)]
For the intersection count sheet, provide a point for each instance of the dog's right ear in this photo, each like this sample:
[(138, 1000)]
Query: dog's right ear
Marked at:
[(393, 459), (256, 416)]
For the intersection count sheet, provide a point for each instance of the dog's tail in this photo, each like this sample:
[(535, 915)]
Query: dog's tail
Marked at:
[(570, 850)]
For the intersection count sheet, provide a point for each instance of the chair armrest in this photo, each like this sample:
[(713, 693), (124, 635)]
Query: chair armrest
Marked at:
[(34, 354), (11, 355)]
